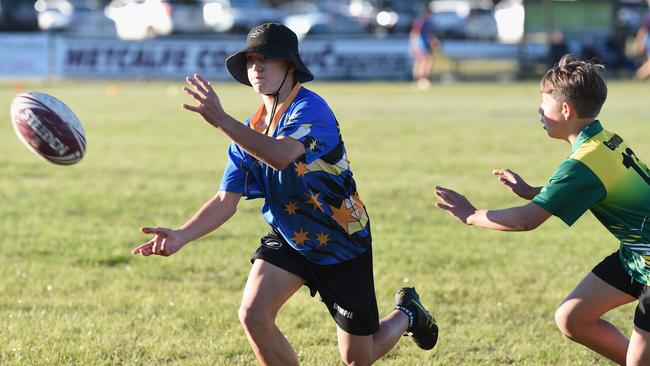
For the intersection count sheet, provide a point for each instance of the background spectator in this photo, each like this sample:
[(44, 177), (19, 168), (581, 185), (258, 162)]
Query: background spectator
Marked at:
[(643, 48), (422, 41)]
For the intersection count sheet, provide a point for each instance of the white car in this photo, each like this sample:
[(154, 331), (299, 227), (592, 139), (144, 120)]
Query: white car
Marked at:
[(140, 19), (54, 15), (238, 16)]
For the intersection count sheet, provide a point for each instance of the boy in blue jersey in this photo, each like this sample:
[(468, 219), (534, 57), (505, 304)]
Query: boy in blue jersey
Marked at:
[(602, 174), (290, 153)]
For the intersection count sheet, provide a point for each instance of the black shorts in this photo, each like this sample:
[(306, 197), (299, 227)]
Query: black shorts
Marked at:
[(347, 288), (612, 271)]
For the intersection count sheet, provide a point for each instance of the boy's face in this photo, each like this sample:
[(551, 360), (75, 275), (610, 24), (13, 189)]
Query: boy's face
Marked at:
[(552, 117), (265, 74)]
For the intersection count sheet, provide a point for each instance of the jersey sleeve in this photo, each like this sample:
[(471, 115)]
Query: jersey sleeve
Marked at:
[(313, 124), (572, 190), (237, 177)]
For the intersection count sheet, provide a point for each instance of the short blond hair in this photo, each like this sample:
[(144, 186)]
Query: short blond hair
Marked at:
[(580, 83)]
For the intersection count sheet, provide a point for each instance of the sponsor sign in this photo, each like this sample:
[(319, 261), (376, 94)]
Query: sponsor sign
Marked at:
[(24, 55), (175, 58)]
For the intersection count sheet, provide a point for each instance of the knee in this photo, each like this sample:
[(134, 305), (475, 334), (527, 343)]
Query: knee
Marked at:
[(255, 319), (569, 321), (351, 358), (356, 361)]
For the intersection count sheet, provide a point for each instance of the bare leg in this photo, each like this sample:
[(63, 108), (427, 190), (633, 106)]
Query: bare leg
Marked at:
[(416, 69), (578, 317), (267, 289), (644, 71), (364, 350), (639, 351), (427, 65)]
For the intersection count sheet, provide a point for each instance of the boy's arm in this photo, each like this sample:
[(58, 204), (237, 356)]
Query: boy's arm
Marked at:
[(522, 218), (277, 153), (208, 218)]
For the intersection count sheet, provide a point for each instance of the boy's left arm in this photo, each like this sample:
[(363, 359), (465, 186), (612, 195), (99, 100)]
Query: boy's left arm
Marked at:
[(521, 218)]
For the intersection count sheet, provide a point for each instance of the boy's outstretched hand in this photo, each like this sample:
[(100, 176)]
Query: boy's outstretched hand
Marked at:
[(165, 242), (454, 203), (515, 183), (208, 104)]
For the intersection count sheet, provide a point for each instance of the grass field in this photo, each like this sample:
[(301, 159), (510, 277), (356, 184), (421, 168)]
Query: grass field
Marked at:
[(72, 294)]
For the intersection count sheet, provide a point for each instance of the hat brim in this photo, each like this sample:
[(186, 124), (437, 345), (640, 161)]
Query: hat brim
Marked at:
[(236, 63)]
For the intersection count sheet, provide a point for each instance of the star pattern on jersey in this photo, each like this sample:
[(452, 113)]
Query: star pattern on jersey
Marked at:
[(322, 238), (358, 205), (312, 145), (300, 237), (291, 208), (301, 168), (343, 215), (312, 199)]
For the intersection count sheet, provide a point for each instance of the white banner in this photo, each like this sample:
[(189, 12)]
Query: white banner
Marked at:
[(174, 58), (24, 55)]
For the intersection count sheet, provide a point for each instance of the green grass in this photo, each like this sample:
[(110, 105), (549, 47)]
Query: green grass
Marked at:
[(71, 293)]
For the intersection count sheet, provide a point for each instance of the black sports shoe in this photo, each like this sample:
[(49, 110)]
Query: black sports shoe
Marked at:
[(424, 328)]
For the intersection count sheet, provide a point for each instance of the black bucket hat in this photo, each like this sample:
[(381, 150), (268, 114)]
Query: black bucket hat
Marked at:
[(273, 40)]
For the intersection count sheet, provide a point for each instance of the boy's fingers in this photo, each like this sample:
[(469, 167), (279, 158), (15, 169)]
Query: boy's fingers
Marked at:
[(438, 192), (197, 85), (506, 182), (442, 189), (193, 94), (191, 108), (204, 83), (163, 244), (154, 230), (201, 84), (157, 244), (144, 249), (509, 173), (446, 199)]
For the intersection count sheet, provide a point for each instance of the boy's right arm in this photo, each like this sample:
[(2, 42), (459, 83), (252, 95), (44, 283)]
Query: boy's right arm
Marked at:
[(516, 184), (208, 218), (522, 218)]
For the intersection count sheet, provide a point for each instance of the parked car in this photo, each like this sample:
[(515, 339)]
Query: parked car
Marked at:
[(510, 15), (89, 19), (18, 15), (309, 19), (187, 16), (139, 19), (464, 19), (238, 16), (54, 15), (481, 25)]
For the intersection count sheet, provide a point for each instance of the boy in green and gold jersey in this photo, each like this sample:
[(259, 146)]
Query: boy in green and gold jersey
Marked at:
[(602, 174)]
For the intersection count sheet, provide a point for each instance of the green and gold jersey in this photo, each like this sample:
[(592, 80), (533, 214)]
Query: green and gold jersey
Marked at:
[(604, 175)]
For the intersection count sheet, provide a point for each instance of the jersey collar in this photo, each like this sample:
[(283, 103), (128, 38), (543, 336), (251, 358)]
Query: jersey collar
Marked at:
[(588, 132), (256, 120)]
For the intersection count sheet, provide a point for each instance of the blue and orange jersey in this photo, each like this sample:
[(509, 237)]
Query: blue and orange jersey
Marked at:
[(313, 203)]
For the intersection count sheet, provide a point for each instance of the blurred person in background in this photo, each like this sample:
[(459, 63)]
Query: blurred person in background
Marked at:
[(643, 48), (557, 48), (422, 42), (614, 54), (589, 50)]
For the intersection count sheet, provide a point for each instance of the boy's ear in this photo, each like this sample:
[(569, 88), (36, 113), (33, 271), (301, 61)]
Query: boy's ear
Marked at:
[(568, 110)]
